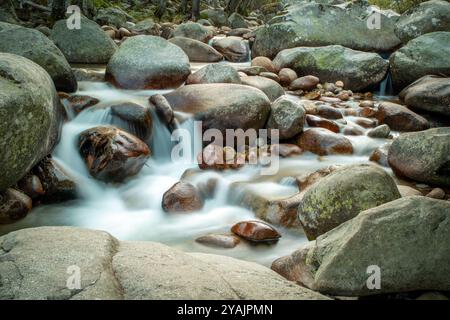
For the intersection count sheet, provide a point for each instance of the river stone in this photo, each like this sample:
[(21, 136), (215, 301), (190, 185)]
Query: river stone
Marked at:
[(112, 155), (314, 24), (14, 205), (133, 118), (287, 76), (222, 106), (237, 21), (424, 55), (227, 241), (194, 31), (234, 49), (112, 16), (323, 142), (197, 51), (287, 116), (35, 262), (216, 16), (422, 156), (89, 44), (146, 27), (358, 70), (400, 118), (29, 97), (405, 238), (318, 122), (148, 62), (427, 17), (256, 231), (271, 88), (182, 197), (215, 73), (33, 45), (264, 62), (342, 195), (429, 93)]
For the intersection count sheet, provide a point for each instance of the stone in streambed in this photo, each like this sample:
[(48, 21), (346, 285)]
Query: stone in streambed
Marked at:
[(14, 205), (422, 156), (306, 83), (197, 51), (227, 241), (322, 141), (270, 87), (32, 186), (148, 62), (162, 107), (287, 76), (27, 96), (35, 46), (182, 197), (215, 73), (287, 117), (133, 118), (315, 121), (264, 62), (400, 118), (381, 132), (194, 31), (408, 232), (436, 193), (342, 195), (78, 103), (234, 49), (89, 44), (380, 155), (256, 231), (112, 155)]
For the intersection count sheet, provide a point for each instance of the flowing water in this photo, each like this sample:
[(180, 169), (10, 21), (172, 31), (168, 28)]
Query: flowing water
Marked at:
[(132, 211)]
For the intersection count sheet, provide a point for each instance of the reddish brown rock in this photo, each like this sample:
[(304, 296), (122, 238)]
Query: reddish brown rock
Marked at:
[(287, 76), (308, 180), (350, 130), (112, 155), (366, 104), (314, 121), (265, 63), (306, 83), (78, 103), (400, 118), (380, 155), (286, 150), (256, 231), (366, 123), (323, 142), (436, 193), (217, 158), (31, 185), (14, 205), (329, 112), (227, 241), (182, 197)]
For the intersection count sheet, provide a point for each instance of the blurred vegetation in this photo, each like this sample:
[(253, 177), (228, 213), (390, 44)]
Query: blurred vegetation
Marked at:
[(399, 6)]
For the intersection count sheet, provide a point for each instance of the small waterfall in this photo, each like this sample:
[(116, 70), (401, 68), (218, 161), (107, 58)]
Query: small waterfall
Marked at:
[(386, 87)]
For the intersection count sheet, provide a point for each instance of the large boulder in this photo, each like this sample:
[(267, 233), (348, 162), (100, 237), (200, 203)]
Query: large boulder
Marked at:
[(194, 31), (425, 55), (89, 44), (148, 62), (429, 93), (222, 106), (30, 116), (34, 45), (271, 88), (36, 263), (234, 49), (400, 118), (215, 73), (358, 70), (197, 51), (342, 195), (422, 156), (314, 24), (406, 239), (427, 17)]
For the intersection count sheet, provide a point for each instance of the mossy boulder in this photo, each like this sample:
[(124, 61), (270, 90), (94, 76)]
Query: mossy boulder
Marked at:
[(342, 195), (424, 55), (148, 62), (358, 70), (422, 156), (34, 45), (313, 24), (193, 30), (30, 117), (89, 44)]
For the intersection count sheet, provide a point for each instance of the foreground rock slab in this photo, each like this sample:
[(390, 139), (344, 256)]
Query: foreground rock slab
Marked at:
[(406, 238), (35, 264)]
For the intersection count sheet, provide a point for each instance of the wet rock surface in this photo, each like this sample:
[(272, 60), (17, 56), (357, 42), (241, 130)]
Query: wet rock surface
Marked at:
[(182, 197), (256, 231)]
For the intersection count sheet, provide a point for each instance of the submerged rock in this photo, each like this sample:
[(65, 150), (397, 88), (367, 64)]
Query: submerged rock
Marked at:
[(112, 155), (408, 232), (89, 44), (30, 117), (182, 197), (342, 195), (358, 70), (256, 231), (131, 68), (422, 156), (14, 205), (33, 45)]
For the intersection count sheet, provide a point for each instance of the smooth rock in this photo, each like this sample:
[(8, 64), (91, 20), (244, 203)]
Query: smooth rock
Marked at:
[(271, 88), (215, 73), (227, 241), (197, 51), (182, 197), (234, 49), (256, 231), (14, 205), (324, 142), (400, 118), (287, 117)]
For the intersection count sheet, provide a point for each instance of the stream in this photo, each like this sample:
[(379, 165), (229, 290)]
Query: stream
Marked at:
[(132, 211)]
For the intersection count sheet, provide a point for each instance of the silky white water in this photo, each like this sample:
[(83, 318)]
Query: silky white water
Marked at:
[(132, 211)]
